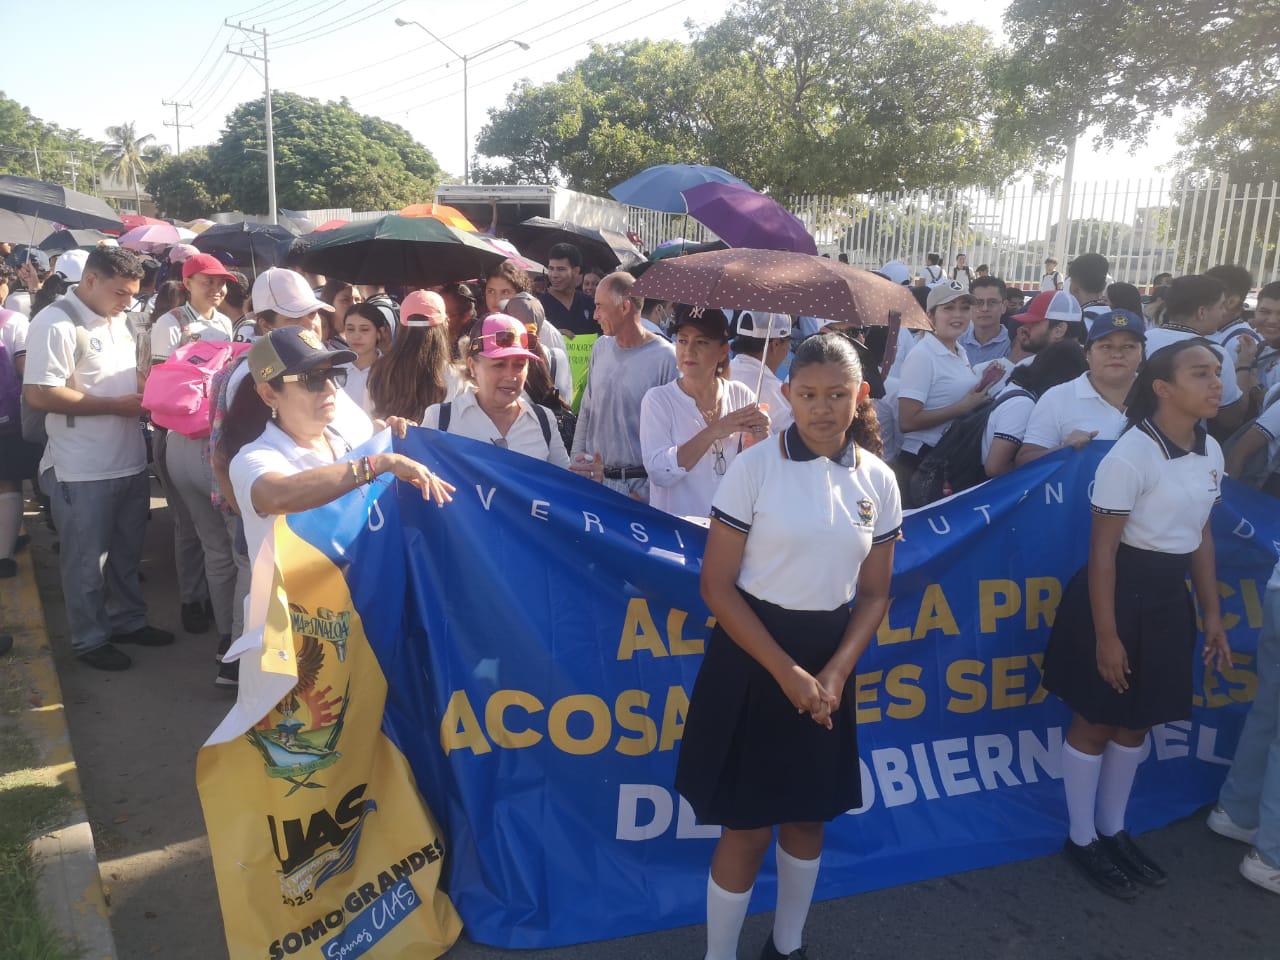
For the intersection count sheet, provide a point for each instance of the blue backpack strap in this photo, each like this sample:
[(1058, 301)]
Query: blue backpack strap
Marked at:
[(446, 414)]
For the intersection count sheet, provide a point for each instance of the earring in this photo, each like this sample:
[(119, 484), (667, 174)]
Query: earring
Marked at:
[(274, 414)]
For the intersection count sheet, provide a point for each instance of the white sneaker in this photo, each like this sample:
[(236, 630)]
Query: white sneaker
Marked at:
[(1254, 869), (1220, 822)]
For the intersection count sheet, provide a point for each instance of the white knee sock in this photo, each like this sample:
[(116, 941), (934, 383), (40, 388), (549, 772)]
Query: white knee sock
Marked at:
[(796, 879), (725, 913), (1080, 780), (10, 522), (1119, 765)]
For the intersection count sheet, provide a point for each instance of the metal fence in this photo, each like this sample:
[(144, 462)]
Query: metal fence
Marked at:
[(1143, 227)]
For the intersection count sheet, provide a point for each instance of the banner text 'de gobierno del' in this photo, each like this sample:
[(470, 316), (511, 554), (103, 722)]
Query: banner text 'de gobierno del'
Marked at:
[(554, 630)]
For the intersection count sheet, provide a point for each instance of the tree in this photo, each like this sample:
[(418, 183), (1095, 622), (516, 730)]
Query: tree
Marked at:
[(327, 155), (804, 96), (30, 147), (182, 185), (125, 153), (1118, 66)]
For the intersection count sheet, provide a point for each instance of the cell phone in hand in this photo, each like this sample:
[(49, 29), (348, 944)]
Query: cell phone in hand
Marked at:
[(989, 376)]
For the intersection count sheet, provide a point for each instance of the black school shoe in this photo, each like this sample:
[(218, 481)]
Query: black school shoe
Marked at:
[(1137, 866), (106, 657), (195, 617), (228, 675), (770, 952), (1100, 870), (147, 636)]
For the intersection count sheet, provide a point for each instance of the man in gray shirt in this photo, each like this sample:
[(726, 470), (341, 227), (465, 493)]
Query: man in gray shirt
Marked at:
[(626, 363)]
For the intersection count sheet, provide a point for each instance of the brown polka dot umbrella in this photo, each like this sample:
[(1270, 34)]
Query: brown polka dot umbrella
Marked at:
[(782, 282)]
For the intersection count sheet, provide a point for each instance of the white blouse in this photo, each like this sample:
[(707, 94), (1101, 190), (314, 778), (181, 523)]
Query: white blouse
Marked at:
[(669, 418)]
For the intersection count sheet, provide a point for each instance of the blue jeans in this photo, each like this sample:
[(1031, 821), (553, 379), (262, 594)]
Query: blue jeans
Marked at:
[(1251, 795), (101, 525)]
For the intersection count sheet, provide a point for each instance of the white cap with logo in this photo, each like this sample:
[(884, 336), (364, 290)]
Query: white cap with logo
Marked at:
[(286, 293)]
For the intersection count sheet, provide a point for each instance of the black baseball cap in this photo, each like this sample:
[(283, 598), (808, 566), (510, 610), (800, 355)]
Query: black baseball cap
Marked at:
[(291, 350)]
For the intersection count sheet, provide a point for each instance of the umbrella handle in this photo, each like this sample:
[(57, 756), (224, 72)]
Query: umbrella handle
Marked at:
[(760, 377)]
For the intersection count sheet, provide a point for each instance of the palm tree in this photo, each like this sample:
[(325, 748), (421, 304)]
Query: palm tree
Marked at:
[(125, 151)]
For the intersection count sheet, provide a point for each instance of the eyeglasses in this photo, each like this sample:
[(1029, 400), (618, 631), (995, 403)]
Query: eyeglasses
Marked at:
[(987, 303), (721, 464), (503, 339), (314, 380)]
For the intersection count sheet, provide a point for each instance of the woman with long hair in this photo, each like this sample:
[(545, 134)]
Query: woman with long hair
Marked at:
[(415, 373), (802, 525), (342, 296), (692, 428), (1123, 640), (368, 334)]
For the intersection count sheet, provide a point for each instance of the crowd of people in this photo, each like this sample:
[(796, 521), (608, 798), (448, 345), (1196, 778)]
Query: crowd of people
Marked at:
[(800, 442)]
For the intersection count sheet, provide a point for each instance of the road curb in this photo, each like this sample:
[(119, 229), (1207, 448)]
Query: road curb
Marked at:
[(70, 885)]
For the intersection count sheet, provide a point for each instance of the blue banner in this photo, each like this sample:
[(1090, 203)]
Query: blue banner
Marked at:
[(540, 637)]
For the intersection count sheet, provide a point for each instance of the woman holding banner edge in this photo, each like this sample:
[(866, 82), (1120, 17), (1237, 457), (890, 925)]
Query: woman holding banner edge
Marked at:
[(803, 524), (1120, 654)]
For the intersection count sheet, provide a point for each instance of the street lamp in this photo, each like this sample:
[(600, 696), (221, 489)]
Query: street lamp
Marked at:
[(465, 58)]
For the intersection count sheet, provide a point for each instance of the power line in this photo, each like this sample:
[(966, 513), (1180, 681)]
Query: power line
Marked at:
[(516, 36), (298, 13), (413, 50), (209, 109), (203, 86), (199, 63), (335, 25), (549, 56), (244, 13)]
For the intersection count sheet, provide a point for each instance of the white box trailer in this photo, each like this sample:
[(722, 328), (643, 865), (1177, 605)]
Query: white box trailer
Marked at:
[(514, 203)]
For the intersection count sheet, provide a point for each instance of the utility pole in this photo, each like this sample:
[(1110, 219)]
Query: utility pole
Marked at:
[(177, 124), (266, 79)]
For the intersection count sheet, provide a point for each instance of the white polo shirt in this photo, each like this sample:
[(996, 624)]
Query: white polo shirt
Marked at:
[(276, 452), (1158, 337), (167, 333), (669, 418), (1074, 405), (1008, 421), (468, 419), (747, 370), (357, 386), (99, 447), (937, 377), (1165, 491), (13, 333), (810, 521), (1230, 336)]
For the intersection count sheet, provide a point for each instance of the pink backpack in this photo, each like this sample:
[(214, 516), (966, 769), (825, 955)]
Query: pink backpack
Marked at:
[(178, 393)]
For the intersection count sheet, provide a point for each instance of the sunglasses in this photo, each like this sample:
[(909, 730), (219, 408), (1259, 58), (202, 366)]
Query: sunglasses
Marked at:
[(314, 380), (503, 339), (721, 464)]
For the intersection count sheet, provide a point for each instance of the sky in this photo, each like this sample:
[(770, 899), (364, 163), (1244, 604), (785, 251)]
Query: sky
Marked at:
[(333, 48)]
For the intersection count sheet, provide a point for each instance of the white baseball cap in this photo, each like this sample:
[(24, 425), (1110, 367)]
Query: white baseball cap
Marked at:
[(761, 325), (180, 251), (71, 264), (286, 293), (897, 272)]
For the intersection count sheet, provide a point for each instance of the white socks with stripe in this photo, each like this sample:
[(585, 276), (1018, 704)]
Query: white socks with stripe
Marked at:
[(10, 522), (1119, 766), (725, 913), (1080, 773), (796, 880)]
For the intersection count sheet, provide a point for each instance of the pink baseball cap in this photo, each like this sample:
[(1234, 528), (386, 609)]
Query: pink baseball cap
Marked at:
[(502, 336), (179, 252), (423, 308)]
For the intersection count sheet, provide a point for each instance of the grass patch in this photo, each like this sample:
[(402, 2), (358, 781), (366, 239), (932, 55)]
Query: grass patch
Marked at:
[(29, 803)]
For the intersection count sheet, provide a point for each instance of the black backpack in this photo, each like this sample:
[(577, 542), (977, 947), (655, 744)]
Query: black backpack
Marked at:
[(957, 458)]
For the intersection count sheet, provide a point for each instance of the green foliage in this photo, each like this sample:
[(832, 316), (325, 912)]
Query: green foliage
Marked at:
[(23, 136), (806, 96), (125, 154), (327, 155), (182, 185)]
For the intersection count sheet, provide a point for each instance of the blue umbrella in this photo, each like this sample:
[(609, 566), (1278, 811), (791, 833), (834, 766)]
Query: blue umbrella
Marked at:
[(659, 188)]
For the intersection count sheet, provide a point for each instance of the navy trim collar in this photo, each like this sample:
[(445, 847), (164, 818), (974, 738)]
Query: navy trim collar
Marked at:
[(794, 448), (1170, 449)]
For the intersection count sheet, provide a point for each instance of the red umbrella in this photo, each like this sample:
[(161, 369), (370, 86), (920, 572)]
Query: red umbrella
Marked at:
[(782, 282), (132, 220), (330, 225)]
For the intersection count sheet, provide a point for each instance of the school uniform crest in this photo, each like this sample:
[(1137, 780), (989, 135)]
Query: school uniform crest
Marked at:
[(866, 512)]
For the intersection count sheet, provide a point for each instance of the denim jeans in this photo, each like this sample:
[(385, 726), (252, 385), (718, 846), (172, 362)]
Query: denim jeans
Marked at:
[(1251, 795)]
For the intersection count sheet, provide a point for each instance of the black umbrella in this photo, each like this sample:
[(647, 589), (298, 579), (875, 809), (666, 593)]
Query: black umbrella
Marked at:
[(604, 247), (254, 245), (416, 251), (52, 201), (16, 228), (63, 240)]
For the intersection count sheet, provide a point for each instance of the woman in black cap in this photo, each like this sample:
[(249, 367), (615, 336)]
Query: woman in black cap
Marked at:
[(801, 524), (1122, 643)]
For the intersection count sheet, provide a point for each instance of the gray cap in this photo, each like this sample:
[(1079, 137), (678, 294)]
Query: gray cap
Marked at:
[(944, 291)]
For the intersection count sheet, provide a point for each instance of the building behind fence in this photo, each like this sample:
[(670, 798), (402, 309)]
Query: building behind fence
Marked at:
[(1143, 227)]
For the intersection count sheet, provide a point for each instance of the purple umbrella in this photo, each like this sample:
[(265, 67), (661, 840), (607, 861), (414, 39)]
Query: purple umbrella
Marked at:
[(743, 218)]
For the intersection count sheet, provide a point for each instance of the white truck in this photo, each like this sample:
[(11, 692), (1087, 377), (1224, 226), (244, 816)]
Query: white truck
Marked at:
[(508, 204)]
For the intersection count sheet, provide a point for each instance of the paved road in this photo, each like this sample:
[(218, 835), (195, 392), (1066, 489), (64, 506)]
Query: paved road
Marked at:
[(136, 735)]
